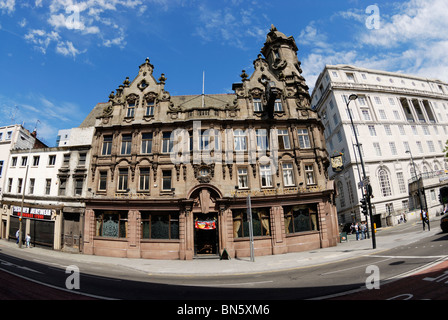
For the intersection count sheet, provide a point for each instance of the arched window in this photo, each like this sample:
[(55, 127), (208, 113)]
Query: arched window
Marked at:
[(384, 181)]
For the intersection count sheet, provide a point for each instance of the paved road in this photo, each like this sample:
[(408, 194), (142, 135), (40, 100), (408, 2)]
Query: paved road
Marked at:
[(323, 278)]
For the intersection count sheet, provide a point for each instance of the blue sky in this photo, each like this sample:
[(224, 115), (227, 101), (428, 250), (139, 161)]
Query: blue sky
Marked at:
[(58, 58)]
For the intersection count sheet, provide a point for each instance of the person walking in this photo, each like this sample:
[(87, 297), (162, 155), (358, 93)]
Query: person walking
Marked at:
[(28, 240), (357, 230), (17, 236), (352, 228), (425, 220), (363, 230)]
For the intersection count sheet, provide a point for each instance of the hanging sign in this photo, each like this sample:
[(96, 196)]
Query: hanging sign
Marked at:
[(205, 225), (336, 163)]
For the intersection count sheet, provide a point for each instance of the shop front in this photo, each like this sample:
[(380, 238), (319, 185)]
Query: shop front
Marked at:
[(42, 224), (206, 224)]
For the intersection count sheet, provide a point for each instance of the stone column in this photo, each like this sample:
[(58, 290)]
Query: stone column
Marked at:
[(89, 231), (323, 215), (57, 230), (227, 232), (278, 231), (134, 234), (187, 239), (182, 235)]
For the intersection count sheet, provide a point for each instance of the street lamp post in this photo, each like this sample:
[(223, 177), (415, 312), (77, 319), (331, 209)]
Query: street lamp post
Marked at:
[(24, 187), (366, 188)]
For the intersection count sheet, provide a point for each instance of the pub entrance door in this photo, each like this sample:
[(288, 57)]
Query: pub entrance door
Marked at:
[(206, 234)]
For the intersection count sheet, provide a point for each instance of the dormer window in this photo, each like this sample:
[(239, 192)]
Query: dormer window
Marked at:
[(257, 105), (149, 112), (278, 106), (131, 109), (276, 54)]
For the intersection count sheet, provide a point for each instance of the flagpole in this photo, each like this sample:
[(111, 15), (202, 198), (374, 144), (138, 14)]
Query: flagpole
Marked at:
[(203, 88)]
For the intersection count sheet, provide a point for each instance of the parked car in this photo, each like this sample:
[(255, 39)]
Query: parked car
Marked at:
[(444, 222)]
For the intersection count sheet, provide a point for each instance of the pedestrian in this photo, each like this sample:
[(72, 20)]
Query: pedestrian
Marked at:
[(17, 236), (352, 228), (425, 220), (28, 240), (363, 230), (357, 230)]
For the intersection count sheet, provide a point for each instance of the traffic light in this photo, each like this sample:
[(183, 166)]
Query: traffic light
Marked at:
[(363, 206)]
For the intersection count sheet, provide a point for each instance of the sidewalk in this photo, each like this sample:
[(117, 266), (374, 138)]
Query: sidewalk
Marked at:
[(343, 251)]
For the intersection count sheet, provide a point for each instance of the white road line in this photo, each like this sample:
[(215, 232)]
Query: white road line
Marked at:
[(226, 284), (418, 269), (58, 288), (99, 277), (405, 257), (7, 263), (387, 281), (386, 259), (346, 269)]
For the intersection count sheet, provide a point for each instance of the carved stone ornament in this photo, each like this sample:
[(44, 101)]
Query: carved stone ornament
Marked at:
[(143, 85), (204, 173), (107, 110), (256, 92), (162, 78), (279, 64)]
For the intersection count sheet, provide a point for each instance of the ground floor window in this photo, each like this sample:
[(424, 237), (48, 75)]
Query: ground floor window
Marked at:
[(260, 220), (300, 218), (112, 224), (160, 225)]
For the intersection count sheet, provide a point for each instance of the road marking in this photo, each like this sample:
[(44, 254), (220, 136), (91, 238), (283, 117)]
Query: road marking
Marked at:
[(347, 269), (100, 277), (419, 269), (386, 259), (407, 257), (227, 284), (386, 281), (9, 264), (50, 263), (58, 288)]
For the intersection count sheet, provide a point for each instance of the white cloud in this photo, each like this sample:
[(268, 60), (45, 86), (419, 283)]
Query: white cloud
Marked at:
[(66, 48), (41, 39), (7, 6), (230, 25), (74, 25), (23, 23), (28, 108), (420, 20), (310, 35), (411, 40), (417, 36)]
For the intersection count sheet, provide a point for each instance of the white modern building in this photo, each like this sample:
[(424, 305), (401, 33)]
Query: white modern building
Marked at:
[(398, 118), (52, 182), (12, 138)]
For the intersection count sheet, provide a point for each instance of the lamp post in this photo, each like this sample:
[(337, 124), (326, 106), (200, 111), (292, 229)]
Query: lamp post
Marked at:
[(366, 188), (24, 187)]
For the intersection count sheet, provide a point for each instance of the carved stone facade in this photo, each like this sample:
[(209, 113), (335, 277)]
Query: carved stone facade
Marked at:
[(174, 173)]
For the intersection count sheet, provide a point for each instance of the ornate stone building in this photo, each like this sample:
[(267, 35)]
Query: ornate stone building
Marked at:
[(171, 177)]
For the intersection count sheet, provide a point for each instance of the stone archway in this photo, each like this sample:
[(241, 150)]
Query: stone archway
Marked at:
[(206, 220)]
